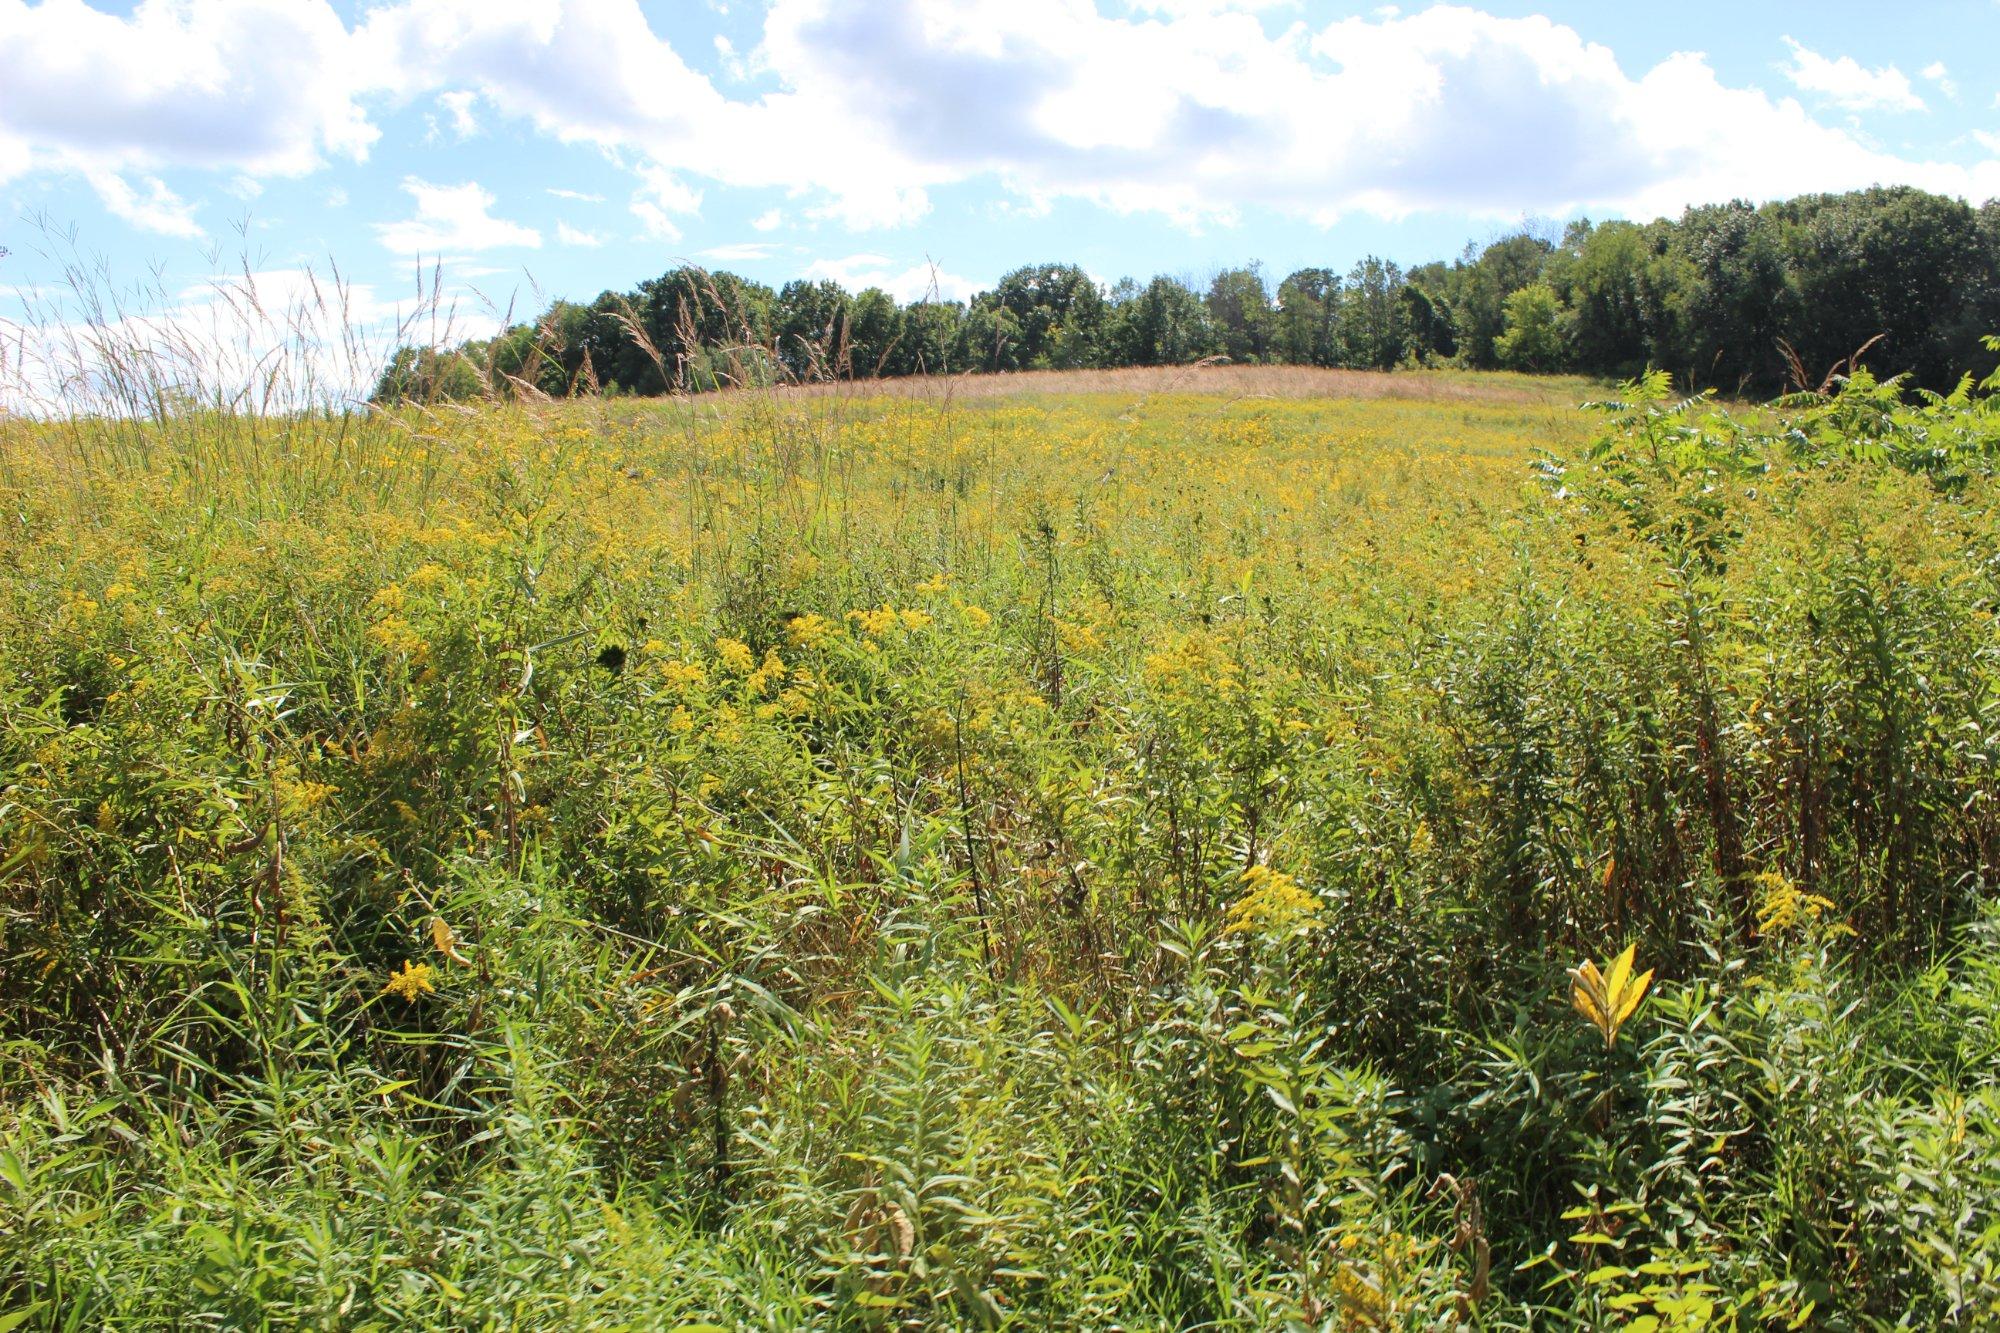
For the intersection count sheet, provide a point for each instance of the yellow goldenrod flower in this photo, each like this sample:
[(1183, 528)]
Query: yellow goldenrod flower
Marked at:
[(412, 981), (1275, 905), (808, 631)]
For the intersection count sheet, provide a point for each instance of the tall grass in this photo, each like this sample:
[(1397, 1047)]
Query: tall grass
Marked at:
[(1088, 860)]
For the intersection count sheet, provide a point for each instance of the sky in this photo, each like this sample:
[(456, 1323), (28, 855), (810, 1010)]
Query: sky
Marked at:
[(519, 150)]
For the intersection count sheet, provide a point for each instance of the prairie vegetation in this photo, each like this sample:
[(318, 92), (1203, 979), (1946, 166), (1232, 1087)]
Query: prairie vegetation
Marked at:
[(1088, 860)]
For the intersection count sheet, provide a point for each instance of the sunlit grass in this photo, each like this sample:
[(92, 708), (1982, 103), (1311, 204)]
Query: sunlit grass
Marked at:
[(1103, 855)]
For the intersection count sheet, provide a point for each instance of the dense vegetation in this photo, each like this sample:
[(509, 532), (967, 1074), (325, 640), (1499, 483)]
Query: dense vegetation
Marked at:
[(1730, 295), (764, 860)]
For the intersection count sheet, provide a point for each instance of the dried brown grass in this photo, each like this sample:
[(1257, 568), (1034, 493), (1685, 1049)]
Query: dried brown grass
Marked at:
[(1238, 381)]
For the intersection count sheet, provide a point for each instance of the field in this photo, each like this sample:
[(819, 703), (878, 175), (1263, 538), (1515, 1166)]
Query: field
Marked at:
[(1090, 852)]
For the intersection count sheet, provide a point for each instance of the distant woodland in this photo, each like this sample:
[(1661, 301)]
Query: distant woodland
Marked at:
[(1732, 296)]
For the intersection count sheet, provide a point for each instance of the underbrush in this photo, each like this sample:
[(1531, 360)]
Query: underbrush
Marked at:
[(773, 862)]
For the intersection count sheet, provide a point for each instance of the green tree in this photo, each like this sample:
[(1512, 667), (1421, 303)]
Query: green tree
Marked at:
[(1308, 305), (1427, 331), (990, 338), (1481, 285), (809, 328), (1737, 299), (1239, 307), (1371, 329), (1620, 292), (1895, 262), (1534, 336), (1163, 324), (1058, 317), (874, 327), (931, 339), (430, 375)]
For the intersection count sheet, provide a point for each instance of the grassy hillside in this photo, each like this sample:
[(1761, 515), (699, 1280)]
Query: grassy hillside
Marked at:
[(1100, 858)]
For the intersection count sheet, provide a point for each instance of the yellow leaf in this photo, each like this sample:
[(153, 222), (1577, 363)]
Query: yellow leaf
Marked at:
[(1634, 993), (446, 940), (1586, 1004), (1621, 969), (1608, 1001)]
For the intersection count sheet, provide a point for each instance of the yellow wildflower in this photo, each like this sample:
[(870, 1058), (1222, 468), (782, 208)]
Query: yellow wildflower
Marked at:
[(1274, 905), (808, 631), (680, 675), (412, 981), (877, 622), (772, 669), (426, 577)]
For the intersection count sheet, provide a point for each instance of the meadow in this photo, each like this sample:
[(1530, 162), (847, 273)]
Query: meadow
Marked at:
[(1228, 849)]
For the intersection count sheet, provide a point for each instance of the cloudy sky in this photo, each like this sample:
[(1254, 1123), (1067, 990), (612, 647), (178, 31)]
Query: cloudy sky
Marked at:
[(565, 146)]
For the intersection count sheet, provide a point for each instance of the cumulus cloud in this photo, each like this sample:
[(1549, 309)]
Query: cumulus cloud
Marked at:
[(769, 220), (1204, 113), (1847, 83), (1200, 110), (263, 86), (1938, 74), (455, 218), (458, 106), (569, 235), (153, 207), (913, 283), (661, 196)]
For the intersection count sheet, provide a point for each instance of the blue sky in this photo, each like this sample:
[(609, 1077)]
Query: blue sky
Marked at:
[(538, 148)]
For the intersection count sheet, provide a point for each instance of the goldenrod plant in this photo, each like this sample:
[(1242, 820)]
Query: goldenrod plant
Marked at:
[(1093, 852)]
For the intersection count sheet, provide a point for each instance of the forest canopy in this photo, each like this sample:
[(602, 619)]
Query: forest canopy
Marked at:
[(1731, 296)]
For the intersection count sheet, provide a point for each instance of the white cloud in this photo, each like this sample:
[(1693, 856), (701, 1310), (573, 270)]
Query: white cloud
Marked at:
[(1200, 110), (156, 209), (452, 218), (1938, 74), (741, 252), (569, 235), (769, 220), (662, 195), (260, 86), (577, 195), (1847, 83), (1188, 8), (265, 340), (732, 61), (458, 105), (1988, 140), (915, 283)]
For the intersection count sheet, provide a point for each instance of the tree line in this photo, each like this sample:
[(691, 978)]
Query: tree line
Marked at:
[(1734, 296)]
